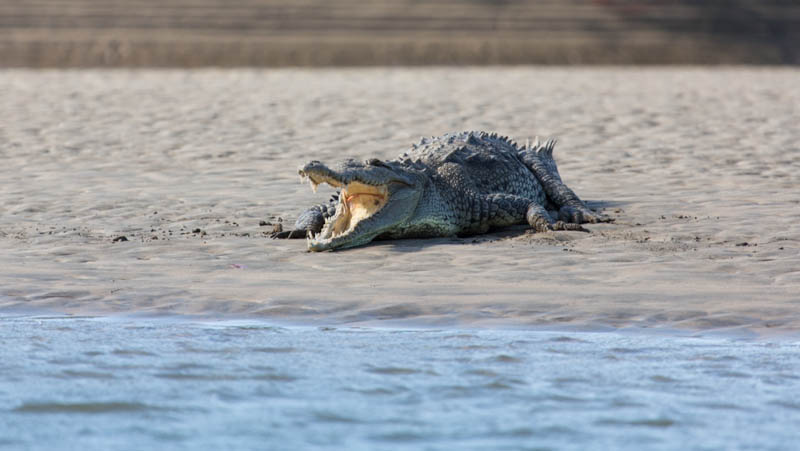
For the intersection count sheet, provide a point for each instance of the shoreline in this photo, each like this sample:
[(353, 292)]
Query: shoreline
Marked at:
[(759, 331)]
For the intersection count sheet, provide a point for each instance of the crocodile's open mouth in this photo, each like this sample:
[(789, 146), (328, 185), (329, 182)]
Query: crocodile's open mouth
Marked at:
[(358, 201)]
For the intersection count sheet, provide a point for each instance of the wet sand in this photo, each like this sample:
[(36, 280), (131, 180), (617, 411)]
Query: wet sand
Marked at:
[(699, 167)]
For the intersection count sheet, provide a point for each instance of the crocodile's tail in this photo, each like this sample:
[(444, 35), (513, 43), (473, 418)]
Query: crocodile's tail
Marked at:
[(544, 152)]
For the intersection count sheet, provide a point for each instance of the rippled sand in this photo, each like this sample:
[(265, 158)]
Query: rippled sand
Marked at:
[(699, 167)]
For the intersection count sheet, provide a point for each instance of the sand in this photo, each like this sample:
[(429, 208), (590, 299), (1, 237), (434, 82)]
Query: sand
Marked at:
[(699, 167)]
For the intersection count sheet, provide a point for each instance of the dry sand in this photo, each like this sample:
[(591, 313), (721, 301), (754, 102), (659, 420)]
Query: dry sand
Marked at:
[(700, 168)]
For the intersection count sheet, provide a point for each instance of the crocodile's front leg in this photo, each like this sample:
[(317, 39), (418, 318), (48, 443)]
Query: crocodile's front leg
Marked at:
[(310, 220)]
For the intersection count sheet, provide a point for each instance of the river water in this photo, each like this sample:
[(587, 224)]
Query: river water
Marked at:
[(166, 383)]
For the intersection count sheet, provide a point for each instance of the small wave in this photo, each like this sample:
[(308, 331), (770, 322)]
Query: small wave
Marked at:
[(71, 374), (274, 350), (333, 417), (392, 371), (83, 407), (647, 422), (505, 358), (133, 353)]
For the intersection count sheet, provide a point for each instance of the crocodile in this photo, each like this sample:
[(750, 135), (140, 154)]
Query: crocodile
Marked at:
[(458, 184)]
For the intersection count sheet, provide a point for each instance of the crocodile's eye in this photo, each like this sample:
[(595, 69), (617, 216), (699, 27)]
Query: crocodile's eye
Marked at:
[(376, 162)]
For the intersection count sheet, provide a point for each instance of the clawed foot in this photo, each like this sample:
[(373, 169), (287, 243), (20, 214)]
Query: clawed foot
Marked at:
[(581, 215), (543, 225), (570, 226), (287, 234)]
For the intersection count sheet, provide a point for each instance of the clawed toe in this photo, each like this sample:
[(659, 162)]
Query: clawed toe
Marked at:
[(569, 226), (540, 224), (544, 226), (287, 234), (596, 218), (581, 215)]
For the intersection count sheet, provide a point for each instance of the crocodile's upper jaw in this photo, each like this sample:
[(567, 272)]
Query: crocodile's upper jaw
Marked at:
[(364, 211)]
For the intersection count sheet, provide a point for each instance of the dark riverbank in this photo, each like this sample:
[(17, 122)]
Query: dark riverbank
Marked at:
[(182, 33)]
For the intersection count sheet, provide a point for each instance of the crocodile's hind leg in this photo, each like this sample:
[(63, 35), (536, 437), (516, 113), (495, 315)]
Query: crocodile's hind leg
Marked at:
[(311, 220), (505, 209), (539, 159)]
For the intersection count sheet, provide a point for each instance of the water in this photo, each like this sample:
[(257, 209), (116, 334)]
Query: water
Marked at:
[(94, 383)]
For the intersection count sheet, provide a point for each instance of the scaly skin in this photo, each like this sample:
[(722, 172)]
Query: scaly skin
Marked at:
[(456, 184)]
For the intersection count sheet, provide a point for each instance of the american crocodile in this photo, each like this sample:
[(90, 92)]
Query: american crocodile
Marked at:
[(456, 184)]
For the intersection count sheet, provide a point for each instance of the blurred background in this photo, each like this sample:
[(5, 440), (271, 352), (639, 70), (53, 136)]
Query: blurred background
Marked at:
[(197, 33)]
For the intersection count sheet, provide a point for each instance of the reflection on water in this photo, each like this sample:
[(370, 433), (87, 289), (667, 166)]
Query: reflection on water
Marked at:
[(84, 383)]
